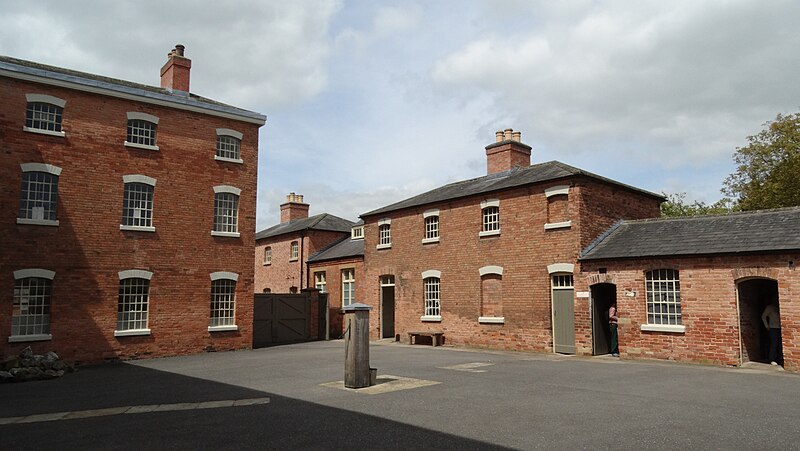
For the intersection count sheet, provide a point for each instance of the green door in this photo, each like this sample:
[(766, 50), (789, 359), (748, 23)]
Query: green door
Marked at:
[(563, 316)]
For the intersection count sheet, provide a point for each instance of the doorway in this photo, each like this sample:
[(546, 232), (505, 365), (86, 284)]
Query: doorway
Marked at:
[(603, 295), (563, 314), (387, 306), (754, 296)]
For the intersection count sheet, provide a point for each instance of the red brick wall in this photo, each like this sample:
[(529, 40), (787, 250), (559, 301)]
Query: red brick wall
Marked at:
[(708, 290), (282, 274), (333, 279), (87, 249)]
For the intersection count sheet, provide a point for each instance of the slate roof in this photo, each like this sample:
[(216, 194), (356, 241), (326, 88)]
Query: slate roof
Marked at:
[(551, 170), (27, 69), (344, 248), (322, 221), (747, 232)]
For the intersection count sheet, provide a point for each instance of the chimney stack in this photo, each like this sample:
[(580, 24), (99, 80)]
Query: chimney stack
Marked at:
[(507, 152), (175, 73), (294, 208)]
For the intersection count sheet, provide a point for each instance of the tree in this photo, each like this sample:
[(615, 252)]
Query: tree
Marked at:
[(676, 205), (768, 168)]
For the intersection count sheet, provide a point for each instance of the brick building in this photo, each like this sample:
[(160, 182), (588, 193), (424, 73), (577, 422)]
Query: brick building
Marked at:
[(694, 289), (129, 219), (281, 251), (491, 261)]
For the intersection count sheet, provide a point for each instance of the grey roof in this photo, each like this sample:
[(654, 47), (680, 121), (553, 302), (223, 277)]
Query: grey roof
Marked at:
[(343, 248), (747, 232), (95, 83), (322, 221), (542, 172)]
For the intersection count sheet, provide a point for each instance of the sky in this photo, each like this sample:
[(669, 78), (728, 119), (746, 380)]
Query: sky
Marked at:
[(371, 102)]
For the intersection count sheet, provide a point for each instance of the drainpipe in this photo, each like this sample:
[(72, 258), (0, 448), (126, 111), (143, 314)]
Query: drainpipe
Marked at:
[(302, 259)]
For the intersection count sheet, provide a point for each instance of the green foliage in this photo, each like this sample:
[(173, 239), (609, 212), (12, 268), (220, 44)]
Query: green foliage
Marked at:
[(768, 168), (676, 205)]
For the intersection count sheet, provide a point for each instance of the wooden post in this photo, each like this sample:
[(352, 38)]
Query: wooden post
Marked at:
[(356, 351)]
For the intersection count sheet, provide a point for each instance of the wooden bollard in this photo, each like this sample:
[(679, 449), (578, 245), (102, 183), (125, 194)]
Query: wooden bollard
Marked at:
[(356, 349)]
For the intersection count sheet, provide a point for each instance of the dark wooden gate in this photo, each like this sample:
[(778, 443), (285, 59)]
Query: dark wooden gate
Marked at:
[(281, 318)]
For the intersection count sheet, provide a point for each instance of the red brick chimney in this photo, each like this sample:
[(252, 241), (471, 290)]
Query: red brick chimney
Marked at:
[(507, 152), (294, 208), (175, 73)]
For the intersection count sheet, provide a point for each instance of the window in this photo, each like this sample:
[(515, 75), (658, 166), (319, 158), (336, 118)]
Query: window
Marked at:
[(491, 295), (431, 294), (39, 194), (134, 292), (357, 232), (137, 203), (30, 317), (557, 207), (431, 218), (663, 297), (223, 301), (562, 281), (226, 211), (141, 131), (268, 255), (294, 252), (490, 211), (348, 286), (44, 114), (384, 235), (319, 282), (229, 144)]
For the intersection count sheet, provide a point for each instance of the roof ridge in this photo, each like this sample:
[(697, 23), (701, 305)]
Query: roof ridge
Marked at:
[(716, 215)]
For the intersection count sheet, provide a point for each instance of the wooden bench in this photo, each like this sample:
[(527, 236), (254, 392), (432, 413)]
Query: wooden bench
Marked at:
[(436, 337)]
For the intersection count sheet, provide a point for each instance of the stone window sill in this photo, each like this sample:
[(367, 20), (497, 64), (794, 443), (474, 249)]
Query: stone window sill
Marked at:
[(60, 134), (558, 225), (223, 328), (23, 338), (229, 160), (430, 318), (488, 233), (384, 246), (294, 259), (131, 333), (137, 228), (663, 328), (430, 240), (41, 222), (140, 146), (226, 234), (491, 319)]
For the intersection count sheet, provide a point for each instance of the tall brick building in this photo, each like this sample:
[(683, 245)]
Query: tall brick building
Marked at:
[(130, 214)]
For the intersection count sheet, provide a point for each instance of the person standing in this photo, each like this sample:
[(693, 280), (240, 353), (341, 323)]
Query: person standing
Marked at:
[(612, 324), (772, 321)]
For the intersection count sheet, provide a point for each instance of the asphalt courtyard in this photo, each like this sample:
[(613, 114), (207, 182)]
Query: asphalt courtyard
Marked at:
[(292, 397)]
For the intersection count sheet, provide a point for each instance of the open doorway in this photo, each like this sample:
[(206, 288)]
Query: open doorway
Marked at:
[(754, 297), (387, 307), (603, 295)]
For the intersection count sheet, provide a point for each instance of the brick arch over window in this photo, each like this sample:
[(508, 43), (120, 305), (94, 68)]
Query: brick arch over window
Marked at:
[(491, 295), (741, 274)]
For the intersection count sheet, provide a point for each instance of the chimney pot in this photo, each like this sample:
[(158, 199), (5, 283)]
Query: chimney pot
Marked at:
[(508, 132), (517, 136), (293, 208), (179, 48), (498, 135)]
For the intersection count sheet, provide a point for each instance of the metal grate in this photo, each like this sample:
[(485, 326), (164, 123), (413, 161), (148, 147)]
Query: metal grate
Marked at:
[(137, 206), (491, 219), (348, 286), (228, 147), (226, 210), (141, 132), (223, 301), (31, 310), (132, 304), (38, 196), (431, 288), (663, 297), (432, 227), (385, 232), (43, 116)]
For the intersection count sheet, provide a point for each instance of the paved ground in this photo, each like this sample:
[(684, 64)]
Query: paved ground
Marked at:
[(289, 397)]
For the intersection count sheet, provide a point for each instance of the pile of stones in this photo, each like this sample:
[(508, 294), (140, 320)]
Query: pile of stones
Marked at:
[(32, 367)]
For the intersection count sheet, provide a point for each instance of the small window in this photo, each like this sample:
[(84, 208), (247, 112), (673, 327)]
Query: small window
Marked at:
[(491, 219), (268, 255), (141, 132), (39, 194), (132, 304), (357, 233), (663, 288), (30, 317), (431, 293), (137, 203), (226, 211), (432, 227), (294, 252), (223, 301), (385, 232), (43, 116), (562, 281), (348, 286), (319, 281)]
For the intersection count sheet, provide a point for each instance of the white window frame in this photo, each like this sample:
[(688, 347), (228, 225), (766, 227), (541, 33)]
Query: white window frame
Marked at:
[(41, 321), (490, 218), (133, 274), (431, 296), (268, 255), (54, 171), (145, 204), (348, 286), (237, 144), (44, 99), (136, 116), (320, 281), (357, 233), (223, 301), (668, 282), (220, 219), (430, 219), (384, 234), (294, 251)]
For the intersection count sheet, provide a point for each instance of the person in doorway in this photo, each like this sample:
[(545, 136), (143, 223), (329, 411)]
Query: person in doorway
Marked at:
[(612, 323), (772, 321)]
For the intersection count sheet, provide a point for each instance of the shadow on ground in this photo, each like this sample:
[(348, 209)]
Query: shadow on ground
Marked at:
[(284, 423)]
